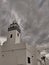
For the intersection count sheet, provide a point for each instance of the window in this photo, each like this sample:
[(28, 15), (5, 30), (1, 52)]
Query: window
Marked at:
[(3, 55), (17, 34), (11, 36), (28, 59)]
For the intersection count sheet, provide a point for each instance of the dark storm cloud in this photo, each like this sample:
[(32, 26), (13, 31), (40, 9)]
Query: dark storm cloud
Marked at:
[(33, 21), (41, 3)]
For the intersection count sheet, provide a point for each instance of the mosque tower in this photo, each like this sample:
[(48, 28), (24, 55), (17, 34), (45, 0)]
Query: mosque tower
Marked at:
[(14, 33)]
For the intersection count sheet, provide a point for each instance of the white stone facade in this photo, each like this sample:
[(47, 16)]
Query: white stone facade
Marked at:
[(13, 52)]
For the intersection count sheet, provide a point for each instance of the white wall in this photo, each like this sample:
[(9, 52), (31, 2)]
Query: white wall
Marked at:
[(15, 39), (15, 57), (28, 54), (35, 55)]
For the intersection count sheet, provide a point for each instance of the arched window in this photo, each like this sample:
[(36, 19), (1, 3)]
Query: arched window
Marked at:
[(17, 34), (29, 60), (11, 36)]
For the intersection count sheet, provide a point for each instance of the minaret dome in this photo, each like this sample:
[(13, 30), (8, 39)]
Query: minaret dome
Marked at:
[(14, 26)]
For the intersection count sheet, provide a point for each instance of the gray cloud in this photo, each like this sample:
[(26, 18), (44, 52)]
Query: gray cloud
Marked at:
[(33, 21)]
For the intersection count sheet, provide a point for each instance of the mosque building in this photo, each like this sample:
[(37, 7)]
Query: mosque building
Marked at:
[(14, 52)]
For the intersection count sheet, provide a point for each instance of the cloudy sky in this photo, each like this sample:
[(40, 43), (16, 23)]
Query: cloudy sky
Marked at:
[(31, 15)]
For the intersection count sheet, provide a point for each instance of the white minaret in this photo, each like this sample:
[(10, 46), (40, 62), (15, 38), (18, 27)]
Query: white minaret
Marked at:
[(14, 33)]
